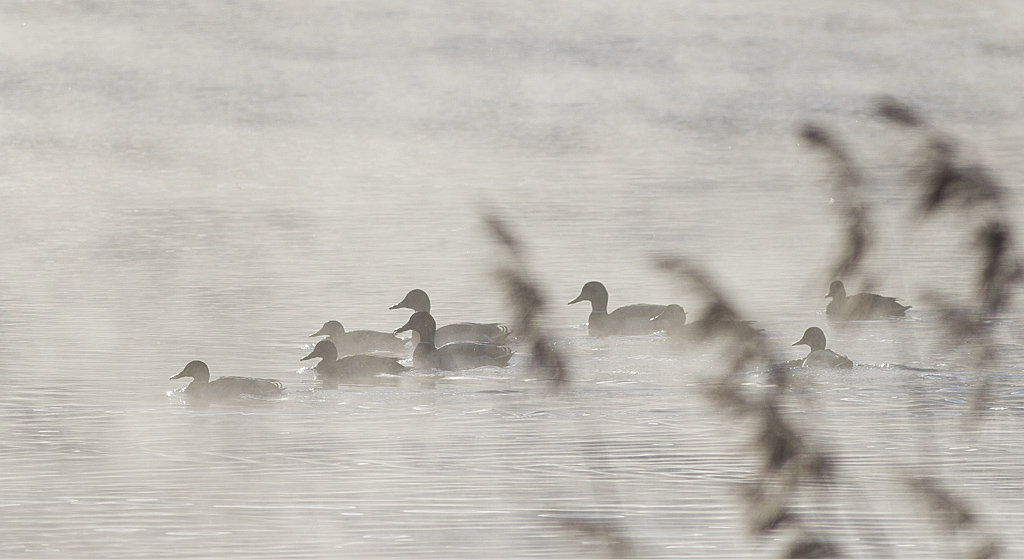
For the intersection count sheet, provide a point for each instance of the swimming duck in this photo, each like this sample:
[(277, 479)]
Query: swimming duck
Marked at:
[(625, 321), (359, 341), (351, 368), (481, 332), (452, 356), (819, 356), (673, 321), (224, 388), (862, 306)]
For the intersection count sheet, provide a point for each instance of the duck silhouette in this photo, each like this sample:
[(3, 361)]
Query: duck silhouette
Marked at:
[(452, 356), (359, 341), (819, 356), (862, 306), (224, 388), (630, 320), (355, 369), (673, 322), (481, 332)]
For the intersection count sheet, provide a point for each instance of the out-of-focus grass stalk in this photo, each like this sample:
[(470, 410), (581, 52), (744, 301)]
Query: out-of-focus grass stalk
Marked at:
[(528, 302)]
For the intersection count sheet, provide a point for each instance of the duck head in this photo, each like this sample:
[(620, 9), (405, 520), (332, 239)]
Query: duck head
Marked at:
[(416, 300), (323, 349), (422, 323), (331, 328), (196, 370), (813, 337), (595, 292), (836, 290)]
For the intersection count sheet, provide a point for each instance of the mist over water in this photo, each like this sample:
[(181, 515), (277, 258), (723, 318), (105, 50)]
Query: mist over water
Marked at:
[(214, 181)]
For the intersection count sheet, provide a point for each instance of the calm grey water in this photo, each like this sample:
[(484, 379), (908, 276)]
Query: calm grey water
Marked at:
[(213, 181)]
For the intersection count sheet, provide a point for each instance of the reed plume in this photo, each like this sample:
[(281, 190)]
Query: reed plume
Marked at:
[(846, 190), (790, 461), (527, 301)]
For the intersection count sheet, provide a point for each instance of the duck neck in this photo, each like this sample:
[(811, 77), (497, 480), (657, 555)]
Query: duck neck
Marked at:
[(423, 350), (839, 293), (427, 338), (197, 385), (599, 304)]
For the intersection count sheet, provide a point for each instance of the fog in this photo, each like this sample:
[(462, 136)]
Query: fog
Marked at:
[(215, 181)]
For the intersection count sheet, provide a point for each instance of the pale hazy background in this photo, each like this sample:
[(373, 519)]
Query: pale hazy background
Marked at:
[(210, 180)]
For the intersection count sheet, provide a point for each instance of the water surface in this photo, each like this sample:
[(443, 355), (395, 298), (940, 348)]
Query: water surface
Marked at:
[(190, 181)]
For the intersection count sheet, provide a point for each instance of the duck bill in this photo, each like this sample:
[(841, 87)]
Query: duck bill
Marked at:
[(321, 332), (179, 375), (311, 355), (801, 342), (405, 328), (577, 299), (396, 306)]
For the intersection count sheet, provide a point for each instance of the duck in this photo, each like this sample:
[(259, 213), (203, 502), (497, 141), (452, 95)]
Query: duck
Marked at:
[(673, 322), (480, 332), (451, 356), (224, 388), (630, 320), (862, 306), (351, 368), (359, 341), (819, 356)]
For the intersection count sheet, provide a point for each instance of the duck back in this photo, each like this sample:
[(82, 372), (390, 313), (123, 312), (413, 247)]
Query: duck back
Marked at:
[(230, 387), (357, 369), (480, 332), (828, 359), (631, 320), (461, 355), (862, 306), (368, 341)]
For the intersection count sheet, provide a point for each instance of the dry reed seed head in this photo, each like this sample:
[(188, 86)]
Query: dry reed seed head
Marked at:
[(770, 515), (941, 184), (986, 550), (780, 443), (606, 531), (549, 361), (692, 274), (501, 233), (810, 547), (944, 505), (897, 112), (946, 181), (779, 375), (817, 466), (982, 397), (1001, 270), (715, 324), (993, 237), (963, 326), (819, 137), (732, 399), (978, 185), (748, 353), (816, 135), (524, 297), (856, 246)]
